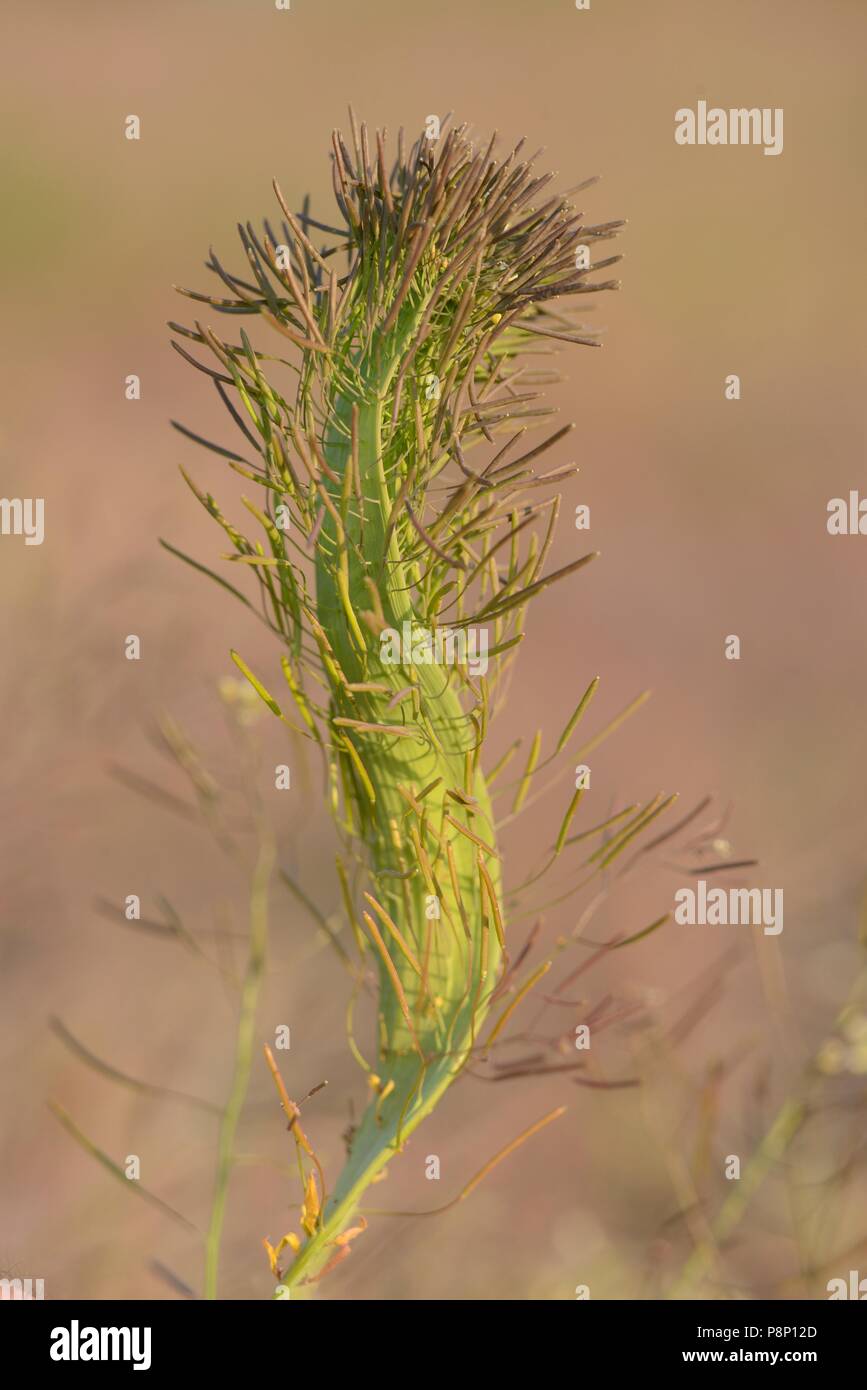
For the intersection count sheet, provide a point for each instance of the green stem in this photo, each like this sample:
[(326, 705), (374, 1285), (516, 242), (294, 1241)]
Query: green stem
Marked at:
[(785, 1127), (379, 1137), (243, 1060), (448, 1010)]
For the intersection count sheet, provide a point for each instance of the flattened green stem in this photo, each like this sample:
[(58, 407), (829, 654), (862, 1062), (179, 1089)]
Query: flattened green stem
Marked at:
[(391, 762), (380, 1136), (419, 1063)]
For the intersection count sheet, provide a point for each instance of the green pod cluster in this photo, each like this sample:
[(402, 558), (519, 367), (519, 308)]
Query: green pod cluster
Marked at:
[(433, 341)]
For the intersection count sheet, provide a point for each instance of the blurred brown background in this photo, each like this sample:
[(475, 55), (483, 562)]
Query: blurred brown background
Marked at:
[(710, 516)]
